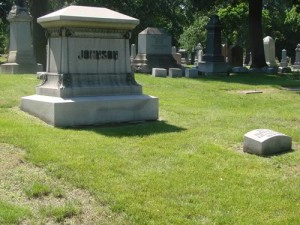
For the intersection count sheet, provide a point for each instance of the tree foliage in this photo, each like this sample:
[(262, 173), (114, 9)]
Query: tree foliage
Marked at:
[(185, 19), (194, 34)]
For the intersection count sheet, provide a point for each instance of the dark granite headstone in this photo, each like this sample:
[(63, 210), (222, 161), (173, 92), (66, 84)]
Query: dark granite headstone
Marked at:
[(236, 56)]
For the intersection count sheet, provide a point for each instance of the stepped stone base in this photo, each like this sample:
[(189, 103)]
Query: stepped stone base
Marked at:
[(80, 111), (213, 68), (15, 68)]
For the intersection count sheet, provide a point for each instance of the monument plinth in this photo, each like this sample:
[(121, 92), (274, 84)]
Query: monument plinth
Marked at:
[(88, 79), (21, 57)]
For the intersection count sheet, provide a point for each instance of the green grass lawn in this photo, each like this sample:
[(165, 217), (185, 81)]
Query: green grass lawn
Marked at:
[(186, 168)]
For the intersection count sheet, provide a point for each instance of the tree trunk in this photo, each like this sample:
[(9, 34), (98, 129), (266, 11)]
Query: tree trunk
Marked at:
[(256, 35), (38, 9)]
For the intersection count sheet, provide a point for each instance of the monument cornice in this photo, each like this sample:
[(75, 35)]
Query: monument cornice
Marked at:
[(88, 32)]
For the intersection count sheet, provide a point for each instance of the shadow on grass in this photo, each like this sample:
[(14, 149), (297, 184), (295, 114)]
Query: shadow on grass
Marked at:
[(281, 80), (133, 129)]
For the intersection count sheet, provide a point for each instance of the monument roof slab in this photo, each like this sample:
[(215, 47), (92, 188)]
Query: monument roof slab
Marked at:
[(83, 16)]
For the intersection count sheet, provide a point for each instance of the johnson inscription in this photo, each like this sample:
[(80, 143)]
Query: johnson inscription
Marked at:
[(98, 54)]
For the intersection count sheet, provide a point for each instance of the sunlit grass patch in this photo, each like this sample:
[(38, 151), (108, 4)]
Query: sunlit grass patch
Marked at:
[(12, 214), (60, 213)]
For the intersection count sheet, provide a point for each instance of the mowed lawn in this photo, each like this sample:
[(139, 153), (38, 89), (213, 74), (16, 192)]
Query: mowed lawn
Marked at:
[(186, 168)]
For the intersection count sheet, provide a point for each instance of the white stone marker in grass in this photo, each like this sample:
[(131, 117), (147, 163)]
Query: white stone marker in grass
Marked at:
[(266, 142)]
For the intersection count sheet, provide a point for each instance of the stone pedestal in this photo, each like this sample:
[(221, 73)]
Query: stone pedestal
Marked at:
[(154, 51), (21, 57), (213, 61), (89, 79)]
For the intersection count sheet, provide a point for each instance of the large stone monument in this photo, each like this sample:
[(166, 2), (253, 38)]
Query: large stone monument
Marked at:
[(21, 57), (213, 62), (269, 48), (154, 51), (89, 78)]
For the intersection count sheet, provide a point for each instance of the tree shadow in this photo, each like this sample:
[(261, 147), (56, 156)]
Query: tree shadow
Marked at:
[(277, 80), (140, 129)]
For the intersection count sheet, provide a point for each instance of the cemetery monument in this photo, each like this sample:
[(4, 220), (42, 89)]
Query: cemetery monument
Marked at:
[(154, 51), (88, 79), (21, 57), (213, 62)]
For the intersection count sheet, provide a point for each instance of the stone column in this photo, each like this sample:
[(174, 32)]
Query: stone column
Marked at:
[(132, 52), (297, 58), (269, 48)]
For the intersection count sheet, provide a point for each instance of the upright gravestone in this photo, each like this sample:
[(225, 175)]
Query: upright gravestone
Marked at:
[(21, 57), (184, 56), (199, 52), (296, 65), (225, 52), (89, 78), (154, 51), (236, 56), (283, 62), (176, 56), (213, 61), (269, 48)]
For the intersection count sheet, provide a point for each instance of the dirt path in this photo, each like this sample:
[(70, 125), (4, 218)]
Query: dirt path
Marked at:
[(19, 179)]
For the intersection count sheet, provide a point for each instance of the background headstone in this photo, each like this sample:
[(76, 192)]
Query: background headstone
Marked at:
[(154, 51), (132, 52), (266, 142), (236, 56), (199, 52), (177, 56), (297, 58), (283, 62), (225, 52), (21, 57), (175, 72), (269, 48), (159, 72), (184, 56)]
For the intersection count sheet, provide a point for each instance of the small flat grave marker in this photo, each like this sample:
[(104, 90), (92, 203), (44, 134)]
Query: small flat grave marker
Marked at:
[(266, 142), (251, 92)]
